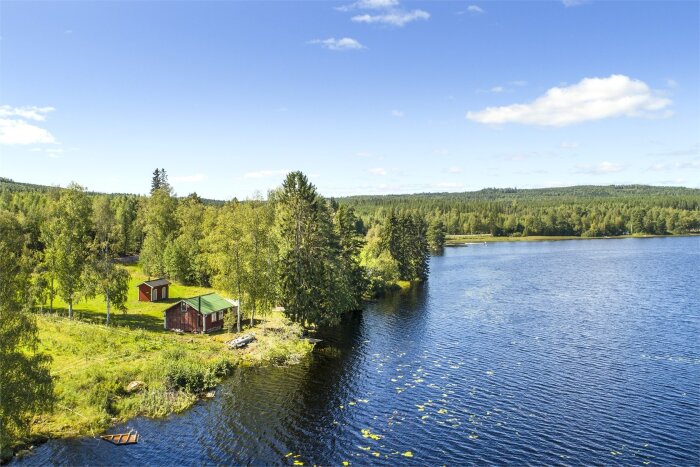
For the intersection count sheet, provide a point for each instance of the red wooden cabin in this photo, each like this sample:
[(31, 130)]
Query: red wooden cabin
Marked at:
[(204, 313), (152, 291)]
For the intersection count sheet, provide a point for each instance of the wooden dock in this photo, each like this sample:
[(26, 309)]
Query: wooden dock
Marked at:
[(122, 438)]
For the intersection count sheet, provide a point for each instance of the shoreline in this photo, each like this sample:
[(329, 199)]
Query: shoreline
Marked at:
[(94, 365), (463, 240)]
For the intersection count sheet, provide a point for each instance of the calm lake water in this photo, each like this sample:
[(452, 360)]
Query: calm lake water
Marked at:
[(576, 352)]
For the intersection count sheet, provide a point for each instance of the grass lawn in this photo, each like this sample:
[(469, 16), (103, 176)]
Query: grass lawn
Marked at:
[(142, 315), (93, 364)]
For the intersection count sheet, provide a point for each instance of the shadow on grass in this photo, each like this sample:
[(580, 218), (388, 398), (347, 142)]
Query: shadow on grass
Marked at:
[(117, 318)]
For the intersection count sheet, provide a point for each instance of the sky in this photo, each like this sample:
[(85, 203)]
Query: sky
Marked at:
[(365, 97)]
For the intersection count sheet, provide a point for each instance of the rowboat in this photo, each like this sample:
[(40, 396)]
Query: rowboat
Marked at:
[(131, 437), (241, 341)]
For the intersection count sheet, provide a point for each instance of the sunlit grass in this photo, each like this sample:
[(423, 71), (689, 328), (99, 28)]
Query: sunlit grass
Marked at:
[(93, 363)]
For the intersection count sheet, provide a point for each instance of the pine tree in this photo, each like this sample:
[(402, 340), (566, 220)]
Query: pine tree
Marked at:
[(314, 286)]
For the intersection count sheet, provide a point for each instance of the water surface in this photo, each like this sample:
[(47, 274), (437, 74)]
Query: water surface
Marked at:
[(577, 352)]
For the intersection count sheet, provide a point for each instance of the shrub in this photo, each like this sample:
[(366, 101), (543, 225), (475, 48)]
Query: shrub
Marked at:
[(189, 376)]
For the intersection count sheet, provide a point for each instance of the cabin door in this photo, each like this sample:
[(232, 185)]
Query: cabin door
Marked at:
[(154, 294)]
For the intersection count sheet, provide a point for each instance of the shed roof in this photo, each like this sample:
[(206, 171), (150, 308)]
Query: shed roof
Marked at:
[(155, 283), (209, 303)]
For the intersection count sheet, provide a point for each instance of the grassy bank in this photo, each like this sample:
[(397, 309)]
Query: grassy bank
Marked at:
[(93, 364), (462, 239)]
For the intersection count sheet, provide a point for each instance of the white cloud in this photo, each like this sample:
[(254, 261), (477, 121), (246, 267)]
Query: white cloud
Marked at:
[(397, 113), (475, 9), (383, 12), (266, 173), (600, 169), (569, 145), (671, 83), (497, 89), (396, 17), (188, 178), (30, 113), (590, 99), (519, 82), (19, 132), (363, 154), (455, 170), (15, 130), (345, 43), (569, 3), (377, 171), (369, 5)]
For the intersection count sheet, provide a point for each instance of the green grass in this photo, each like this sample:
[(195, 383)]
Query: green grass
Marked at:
[(142, 315), (92, 363)]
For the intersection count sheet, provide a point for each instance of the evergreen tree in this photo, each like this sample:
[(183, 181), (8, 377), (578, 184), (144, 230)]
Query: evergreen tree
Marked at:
[(155, 181), (437, 234), (314, 285)]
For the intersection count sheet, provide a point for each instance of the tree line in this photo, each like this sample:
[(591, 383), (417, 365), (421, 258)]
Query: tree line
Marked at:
[(295, 249), (589, 211)]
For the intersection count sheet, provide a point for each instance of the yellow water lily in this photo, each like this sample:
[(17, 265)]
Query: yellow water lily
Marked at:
[(407, 454), (368, 434)]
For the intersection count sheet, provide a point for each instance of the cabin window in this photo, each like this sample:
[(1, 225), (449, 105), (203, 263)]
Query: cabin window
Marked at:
[(155, 295), (183, 306), (165, 292)]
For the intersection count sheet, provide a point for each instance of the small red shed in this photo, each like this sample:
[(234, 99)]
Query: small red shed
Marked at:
[(204, 313), (152, 291)]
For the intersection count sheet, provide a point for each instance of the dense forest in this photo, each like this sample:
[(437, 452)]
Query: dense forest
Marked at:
[(590, 211)]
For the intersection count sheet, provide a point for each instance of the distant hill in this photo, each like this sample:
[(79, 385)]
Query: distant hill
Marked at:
[(512, 194)]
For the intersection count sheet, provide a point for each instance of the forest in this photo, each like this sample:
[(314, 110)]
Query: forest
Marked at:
[(587, 211)]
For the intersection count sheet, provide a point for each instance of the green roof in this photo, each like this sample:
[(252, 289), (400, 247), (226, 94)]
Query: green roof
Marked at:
[(210, 303)]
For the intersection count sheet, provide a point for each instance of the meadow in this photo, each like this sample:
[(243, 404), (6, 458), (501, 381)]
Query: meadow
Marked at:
[(93, 364)]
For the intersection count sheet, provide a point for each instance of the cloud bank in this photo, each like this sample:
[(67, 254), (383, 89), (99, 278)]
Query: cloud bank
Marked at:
[(589, 99), (16, 130)]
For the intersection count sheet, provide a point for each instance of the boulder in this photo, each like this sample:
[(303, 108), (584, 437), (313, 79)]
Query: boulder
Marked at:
[(135, 386)]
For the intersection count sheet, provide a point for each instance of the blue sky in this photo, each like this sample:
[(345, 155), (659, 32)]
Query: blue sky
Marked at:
[(374, 96)]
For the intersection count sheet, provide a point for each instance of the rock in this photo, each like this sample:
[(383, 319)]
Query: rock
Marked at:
[(210, 394), (135, 386)]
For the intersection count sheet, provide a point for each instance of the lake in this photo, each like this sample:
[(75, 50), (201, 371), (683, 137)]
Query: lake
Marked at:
[(574, 352)]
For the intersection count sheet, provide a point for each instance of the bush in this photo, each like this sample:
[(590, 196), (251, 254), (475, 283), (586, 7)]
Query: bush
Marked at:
[(189, 376)]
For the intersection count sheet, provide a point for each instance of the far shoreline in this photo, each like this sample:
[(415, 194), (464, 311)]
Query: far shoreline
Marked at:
[(463, 240)]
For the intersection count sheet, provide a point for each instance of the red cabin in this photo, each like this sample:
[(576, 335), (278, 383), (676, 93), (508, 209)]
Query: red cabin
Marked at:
[(153, 291), (204, 313)]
